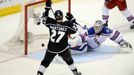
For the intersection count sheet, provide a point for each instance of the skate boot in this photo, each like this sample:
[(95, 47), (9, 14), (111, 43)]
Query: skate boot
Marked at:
[(132, 26), (125, 44), (39, 73), (77, 73)]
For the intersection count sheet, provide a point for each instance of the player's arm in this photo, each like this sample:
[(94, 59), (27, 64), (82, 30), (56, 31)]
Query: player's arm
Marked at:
[(93, 36), (71, 23), (37, 19), (97, 39), (106, 32), (45, 15), (100, 39), (72, 28), (47, 8), (71, 18)]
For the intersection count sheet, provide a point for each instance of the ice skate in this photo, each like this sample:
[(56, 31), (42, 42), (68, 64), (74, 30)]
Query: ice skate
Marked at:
[(132, 26), (124, 44), (77, 73), (39, 73)]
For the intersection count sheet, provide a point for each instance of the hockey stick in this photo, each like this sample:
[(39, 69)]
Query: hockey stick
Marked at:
[(52, 10)]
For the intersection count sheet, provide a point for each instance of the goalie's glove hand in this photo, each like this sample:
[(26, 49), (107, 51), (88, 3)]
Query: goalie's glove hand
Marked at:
[(69, 16), (48, 5)]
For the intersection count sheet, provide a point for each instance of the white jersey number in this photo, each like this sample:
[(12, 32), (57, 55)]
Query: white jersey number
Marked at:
[(61, 34)]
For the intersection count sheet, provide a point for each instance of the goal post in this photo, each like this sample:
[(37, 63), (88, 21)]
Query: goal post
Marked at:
[(69, 6)]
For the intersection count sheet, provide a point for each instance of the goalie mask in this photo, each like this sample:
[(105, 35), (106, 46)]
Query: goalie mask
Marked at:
[(58, 15), (98, 26)]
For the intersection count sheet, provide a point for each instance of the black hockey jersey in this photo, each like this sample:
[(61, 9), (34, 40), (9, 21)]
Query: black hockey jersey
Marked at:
[(58, 41)]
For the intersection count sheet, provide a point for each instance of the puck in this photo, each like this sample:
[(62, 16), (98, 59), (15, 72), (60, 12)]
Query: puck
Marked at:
[(42, 44)]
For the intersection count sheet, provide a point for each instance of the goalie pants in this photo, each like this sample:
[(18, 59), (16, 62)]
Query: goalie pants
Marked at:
[(66, 56)]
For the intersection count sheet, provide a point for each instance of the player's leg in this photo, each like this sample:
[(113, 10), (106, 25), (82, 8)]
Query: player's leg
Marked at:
[(123, 8), (129, 17), (45, 62), (105, 15), (117, 37), (108, 4), (66, 56)]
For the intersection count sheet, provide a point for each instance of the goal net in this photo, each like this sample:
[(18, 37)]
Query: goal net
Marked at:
[(29, 36)]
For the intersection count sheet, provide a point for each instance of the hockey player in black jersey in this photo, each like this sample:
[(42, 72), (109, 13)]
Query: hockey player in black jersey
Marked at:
[(58, 41)]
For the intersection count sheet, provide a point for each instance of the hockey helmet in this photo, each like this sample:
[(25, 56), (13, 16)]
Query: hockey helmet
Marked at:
[(98, 26), (58, 15)]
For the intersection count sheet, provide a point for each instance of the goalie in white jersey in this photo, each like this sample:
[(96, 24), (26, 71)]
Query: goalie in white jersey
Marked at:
[(94, 36)]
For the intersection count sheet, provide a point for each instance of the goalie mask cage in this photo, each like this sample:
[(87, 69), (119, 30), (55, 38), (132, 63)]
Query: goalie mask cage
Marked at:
[(29, 36)]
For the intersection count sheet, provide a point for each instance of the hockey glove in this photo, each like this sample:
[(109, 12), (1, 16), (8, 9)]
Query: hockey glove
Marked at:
[(69, 16), (48, 5)]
